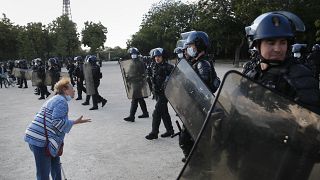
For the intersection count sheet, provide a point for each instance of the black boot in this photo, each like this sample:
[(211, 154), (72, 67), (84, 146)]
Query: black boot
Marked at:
[(79, 98), (152, 136), (94, 108), (129, 119), (87, 101), (104, 102), (144, 115), (167, 134)]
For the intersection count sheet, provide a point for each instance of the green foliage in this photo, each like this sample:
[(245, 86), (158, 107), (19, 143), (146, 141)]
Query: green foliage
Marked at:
[(94, 36), (65, 36), (317, 24), (8, 34), (162, 25)]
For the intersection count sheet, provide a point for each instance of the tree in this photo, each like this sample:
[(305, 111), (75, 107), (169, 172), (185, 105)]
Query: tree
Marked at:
[(94, 36), (162, 26), (8, 39), (65, 36)]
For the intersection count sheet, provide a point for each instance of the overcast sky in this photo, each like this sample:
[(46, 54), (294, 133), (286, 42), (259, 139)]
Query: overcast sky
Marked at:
[(121, 17)]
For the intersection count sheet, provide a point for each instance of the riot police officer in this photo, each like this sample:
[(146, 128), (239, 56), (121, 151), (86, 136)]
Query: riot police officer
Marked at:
[(314, 60), (197, 45), (160, 73), (272, 34), (136, 71), (71, 67), (97, 75), (78, 73), (272, 37), (39, 68), (23, 66), (54, 71), (299, 52)]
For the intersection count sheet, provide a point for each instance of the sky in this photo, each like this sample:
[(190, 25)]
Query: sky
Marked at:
[(121, 17)]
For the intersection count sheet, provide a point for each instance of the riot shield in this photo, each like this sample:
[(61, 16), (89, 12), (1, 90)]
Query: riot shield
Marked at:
[(36, 80), (50, 79), (22, 73), (189, 97), (134, 78), (253, 133), (88, 77)]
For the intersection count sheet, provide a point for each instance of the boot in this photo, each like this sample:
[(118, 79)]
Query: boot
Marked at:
[(152, 136), (144, 115), (41, 98), (104, 102), (87, 101), (79, 98), (167, 134), (94, 108), (129, 119)]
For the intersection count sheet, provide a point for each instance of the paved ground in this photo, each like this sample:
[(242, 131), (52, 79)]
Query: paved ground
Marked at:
[(107, 148)]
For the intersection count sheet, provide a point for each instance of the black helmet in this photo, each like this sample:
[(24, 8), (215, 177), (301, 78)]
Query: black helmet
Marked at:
[(92, 59), (78, 59), (52, 61), (133, 50), (200, 39), (158, 52), (269, 25), (299, 48), (178, 50), (316, 47)]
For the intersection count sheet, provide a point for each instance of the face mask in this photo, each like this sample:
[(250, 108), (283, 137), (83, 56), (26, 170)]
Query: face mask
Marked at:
[(134, 56), (68, 98), (297, 55), (180, 55), (191, 52)]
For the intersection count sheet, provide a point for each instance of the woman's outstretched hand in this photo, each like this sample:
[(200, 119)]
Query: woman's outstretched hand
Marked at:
[(80, 120)]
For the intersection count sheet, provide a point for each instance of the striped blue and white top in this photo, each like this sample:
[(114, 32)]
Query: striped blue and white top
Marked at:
[(57, 123)]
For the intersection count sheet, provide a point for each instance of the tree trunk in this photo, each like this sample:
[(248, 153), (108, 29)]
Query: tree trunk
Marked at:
[(237, 54)]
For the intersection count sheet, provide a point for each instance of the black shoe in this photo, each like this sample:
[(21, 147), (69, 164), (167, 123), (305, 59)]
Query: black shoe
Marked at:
[(19, 86), (36, 93), (48, 94), (144, 115), (130, 119), (184, 160), (94, 108), (26, 87), (167, 134), (152, 136), (104, 102), (41, 98), (85, 103), (79, 98)]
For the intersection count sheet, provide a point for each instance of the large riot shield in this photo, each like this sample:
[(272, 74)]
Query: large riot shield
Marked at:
[(253, 133), (36, 79), (189, 97), (134, 78), (52, 77), (88, 77), (22, 73)]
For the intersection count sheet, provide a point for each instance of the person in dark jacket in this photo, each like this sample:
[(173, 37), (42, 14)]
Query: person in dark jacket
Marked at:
[(272, 34), (97, 75), (136, 73), (78, 73), (160, 73)]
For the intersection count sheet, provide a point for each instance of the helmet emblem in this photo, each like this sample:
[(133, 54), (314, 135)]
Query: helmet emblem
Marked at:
[(276, 21)]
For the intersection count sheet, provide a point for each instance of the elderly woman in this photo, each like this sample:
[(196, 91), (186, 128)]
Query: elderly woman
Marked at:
[(46, 132)]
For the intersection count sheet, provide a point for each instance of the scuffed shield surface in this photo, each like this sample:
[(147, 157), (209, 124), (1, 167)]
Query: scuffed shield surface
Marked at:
[(134, 78), (253, 133), (189, 97), (88, 77)]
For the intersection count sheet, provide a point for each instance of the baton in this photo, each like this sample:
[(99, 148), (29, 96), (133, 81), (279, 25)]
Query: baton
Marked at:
[(179, 127), (64, 175)]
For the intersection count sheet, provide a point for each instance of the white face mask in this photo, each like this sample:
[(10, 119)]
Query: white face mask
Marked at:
[(297, 55), (68, 98), (180, 55), (191, 52), (134, 56)]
